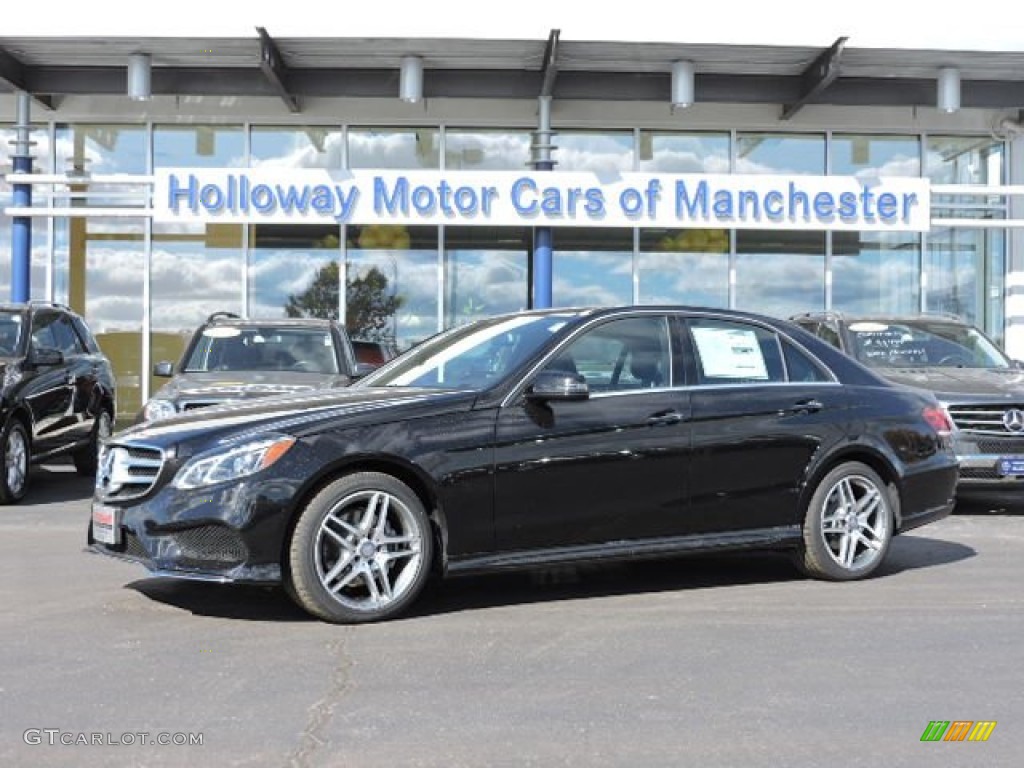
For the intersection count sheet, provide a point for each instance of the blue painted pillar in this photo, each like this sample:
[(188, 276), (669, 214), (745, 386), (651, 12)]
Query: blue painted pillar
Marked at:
[(542, 237), (21, 235)]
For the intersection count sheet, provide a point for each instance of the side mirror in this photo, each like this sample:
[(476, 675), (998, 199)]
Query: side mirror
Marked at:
[(558, 385), (46, 356), (164, 369), (363, 369)]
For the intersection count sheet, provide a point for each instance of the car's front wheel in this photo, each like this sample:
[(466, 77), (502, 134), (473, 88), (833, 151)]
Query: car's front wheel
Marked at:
[(14, 446), (361, 550), (848, 524), (85, 458)]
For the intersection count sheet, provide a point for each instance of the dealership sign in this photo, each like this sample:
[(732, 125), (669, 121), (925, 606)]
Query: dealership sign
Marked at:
[(539, 198)]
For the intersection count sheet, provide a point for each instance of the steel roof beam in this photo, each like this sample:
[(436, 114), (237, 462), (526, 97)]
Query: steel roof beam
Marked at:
[(273, 68), (822, 72), (14, 75), (550, 70)]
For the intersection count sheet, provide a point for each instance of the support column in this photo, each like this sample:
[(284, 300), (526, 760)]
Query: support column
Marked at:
[(21, 235), (542, 237)]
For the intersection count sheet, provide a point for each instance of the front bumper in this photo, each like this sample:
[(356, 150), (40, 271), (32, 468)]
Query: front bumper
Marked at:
[(981, 479), (233, 533)]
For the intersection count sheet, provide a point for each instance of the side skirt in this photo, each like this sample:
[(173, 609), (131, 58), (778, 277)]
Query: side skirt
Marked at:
[(762, 538)]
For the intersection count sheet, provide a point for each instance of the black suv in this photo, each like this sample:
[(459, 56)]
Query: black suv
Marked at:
[(980, 387), (58, 392), (230, 358)]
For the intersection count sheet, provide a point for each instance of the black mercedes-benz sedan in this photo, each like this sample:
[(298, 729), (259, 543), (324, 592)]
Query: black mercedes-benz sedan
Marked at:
[(543, 437)]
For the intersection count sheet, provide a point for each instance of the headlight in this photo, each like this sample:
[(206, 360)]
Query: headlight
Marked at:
[(232, 463), (158, 408)]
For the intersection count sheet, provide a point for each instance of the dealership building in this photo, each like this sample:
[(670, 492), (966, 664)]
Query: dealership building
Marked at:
[(409, 184)]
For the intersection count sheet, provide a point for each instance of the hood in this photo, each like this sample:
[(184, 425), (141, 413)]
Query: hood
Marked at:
[(217, 386), (946, 383), (303, 414)]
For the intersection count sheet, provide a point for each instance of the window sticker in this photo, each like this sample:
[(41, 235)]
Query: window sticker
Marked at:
[(730, 353)]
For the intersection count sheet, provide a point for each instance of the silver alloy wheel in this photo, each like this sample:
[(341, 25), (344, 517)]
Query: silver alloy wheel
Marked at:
[(368, 550), (16, 461), (855, 522)]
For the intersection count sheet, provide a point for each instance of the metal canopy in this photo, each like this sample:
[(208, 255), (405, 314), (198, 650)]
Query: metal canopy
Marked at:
[(296, 68)]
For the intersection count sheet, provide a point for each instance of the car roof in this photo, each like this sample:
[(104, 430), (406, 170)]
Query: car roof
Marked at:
[(881, 317), (279, 322)]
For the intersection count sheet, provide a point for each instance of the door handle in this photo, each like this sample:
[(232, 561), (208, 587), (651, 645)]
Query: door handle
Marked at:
[(810, 405), (664, 419)]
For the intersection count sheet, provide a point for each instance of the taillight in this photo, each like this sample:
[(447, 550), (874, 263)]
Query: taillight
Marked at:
[(938, 419)]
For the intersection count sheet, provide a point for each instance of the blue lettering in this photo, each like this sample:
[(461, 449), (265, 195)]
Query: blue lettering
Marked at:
[(211, 197), (175, 192), (466, 200), (346, 203), (796, 197), (824, 205), (723, 204), (595, 203), (551, 202), (519, 188), (847, 206), (263, 199), (323, 199), (748, 197), (866, 198), (695, 208), (909, 200), (291, 199), (424, 200), (631, 201), (395, 203), (489, 193), (888, 206), (773, 205)]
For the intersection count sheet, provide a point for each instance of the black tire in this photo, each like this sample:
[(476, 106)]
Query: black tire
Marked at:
[(848, 524), (86, 458), (16, 452), (361, 550)]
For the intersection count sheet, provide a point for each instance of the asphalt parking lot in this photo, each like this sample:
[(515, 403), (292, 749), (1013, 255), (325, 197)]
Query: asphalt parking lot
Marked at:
[(724, 661)]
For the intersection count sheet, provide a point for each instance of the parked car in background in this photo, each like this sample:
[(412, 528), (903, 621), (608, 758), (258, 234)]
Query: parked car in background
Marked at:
[(981, 388), (230, 358), (374, 353), (58, 394), (524, 440)]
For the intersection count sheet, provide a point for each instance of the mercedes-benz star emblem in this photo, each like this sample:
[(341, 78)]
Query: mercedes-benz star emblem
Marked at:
[(1013, 420)]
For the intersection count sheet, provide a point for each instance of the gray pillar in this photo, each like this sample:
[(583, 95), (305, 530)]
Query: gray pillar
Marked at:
[(21, 235)]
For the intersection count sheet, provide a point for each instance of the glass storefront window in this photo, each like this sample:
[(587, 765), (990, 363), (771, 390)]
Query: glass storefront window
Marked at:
[(398, 148), (391, 278), (780, 153), (871, 157), (294, 270), (780, 273), (309, 146), (592, 267), (468, 150), (876, 272), (593, 151), (486, 272), (198, 146), (684, 152), (683, 266)]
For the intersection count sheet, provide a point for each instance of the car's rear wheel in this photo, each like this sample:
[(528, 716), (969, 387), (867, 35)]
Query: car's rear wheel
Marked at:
[(15, 448), (361, 550), (85, 459), (848, 525)]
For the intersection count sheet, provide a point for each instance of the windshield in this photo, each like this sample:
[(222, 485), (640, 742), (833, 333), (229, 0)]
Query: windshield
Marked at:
[(264, 348), (924, 344), (473, 356), (10, 333)]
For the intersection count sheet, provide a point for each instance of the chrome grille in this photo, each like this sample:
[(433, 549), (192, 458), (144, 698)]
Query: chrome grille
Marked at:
[(127, 471), (1011, 445), (983, 419)]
